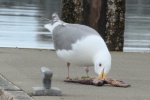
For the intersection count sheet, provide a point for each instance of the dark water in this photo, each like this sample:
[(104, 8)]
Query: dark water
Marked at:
[(21, 23), (137, 29)]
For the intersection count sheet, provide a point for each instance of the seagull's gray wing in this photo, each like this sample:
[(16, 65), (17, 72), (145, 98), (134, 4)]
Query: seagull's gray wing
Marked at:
[(66, 35)]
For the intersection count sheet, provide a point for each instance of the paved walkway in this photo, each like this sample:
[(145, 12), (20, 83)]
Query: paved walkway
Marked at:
[(22, 68)]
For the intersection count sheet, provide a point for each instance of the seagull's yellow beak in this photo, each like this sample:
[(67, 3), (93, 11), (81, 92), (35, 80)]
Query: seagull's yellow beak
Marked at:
[(102, 75)]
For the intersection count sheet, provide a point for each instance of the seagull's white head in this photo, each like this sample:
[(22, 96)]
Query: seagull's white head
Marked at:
[(102, 63)]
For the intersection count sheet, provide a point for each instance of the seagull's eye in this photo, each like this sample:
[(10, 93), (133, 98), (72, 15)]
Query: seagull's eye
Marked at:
[(100, 65)]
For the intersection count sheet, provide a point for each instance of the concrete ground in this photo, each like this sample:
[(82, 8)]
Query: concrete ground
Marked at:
[(22, 68)]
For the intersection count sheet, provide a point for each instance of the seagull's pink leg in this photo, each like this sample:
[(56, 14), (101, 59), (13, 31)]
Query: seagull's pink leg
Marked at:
[(68, 64), (87, 71)]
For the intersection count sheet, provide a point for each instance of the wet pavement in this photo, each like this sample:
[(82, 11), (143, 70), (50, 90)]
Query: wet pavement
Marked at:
[(22, 68)]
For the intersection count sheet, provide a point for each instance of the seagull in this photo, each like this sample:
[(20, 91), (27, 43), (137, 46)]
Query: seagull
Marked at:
[(79, 45)]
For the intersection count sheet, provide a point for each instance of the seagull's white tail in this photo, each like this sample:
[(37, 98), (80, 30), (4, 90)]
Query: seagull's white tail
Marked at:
[(54, 22), (55, 18), (49, 27)]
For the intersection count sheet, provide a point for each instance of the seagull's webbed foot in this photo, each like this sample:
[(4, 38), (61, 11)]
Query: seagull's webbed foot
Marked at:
[(68, 65), (87, 71), (68, 78)]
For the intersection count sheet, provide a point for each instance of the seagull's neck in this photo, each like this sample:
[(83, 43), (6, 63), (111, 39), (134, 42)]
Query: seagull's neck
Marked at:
[(104, 52)]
